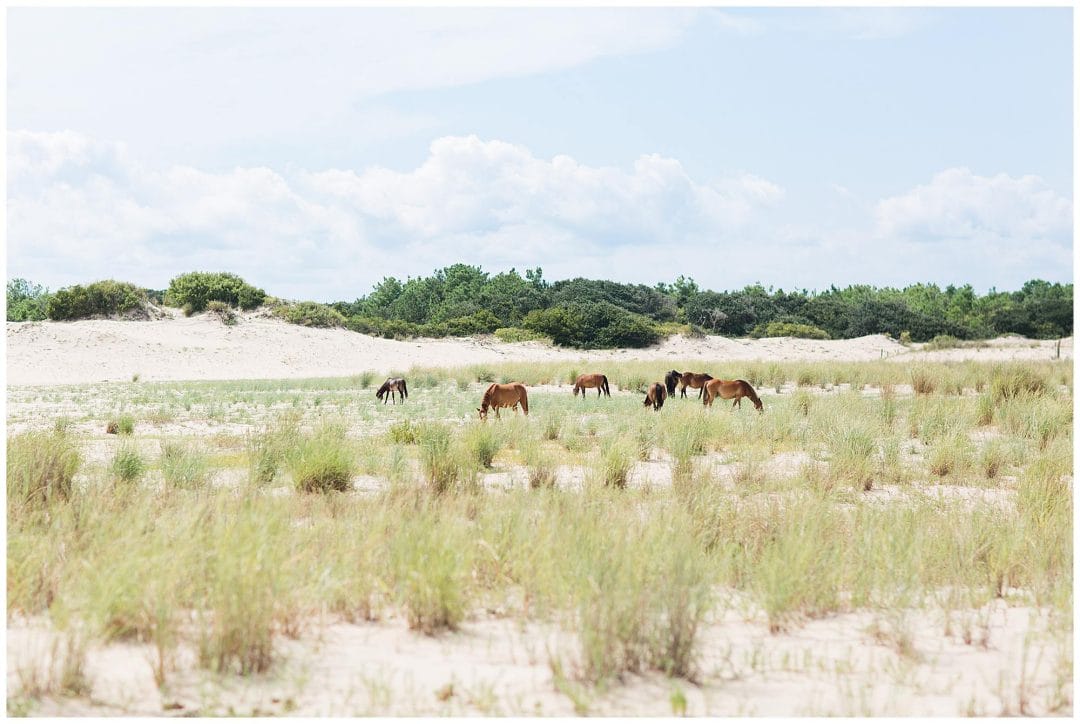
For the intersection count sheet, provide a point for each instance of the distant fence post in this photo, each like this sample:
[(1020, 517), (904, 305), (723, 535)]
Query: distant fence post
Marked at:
[(1058, 354)]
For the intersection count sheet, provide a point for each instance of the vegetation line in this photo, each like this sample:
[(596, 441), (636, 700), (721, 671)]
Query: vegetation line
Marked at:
[(461, 300)]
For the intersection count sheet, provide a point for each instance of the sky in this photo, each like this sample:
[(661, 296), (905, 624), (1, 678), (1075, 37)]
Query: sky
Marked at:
[(316, 151)]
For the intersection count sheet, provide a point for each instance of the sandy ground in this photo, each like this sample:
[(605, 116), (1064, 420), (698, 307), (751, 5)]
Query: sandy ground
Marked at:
[(984, 662), (262, 347)]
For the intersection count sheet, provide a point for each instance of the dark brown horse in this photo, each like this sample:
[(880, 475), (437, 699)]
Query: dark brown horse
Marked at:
[(671, 379), (594, 379), (497, 396), (695, 380), (392, 385), (655, 396), (728, 389)]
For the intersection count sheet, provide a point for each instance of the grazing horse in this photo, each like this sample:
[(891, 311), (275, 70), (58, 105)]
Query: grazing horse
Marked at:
[(596, 380), (392, 385), (671, 379), (655, 396), (727, 389), (497, 396), (695, 380)]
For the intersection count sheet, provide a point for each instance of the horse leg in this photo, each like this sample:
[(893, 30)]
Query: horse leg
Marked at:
[(736, 403)]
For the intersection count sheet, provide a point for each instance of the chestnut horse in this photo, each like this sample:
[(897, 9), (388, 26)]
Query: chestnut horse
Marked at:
[(655, 396), (695, 380), (497, 396), (392, 385), (596, 380), (727, 389)]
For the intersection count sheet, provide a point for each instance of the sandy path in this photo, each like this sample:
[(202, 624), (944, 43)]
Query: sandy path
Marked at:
[(260, 347)]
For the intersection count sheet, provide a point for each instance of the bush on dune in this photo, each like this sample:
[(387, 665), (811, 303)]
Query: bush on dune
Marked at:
[(310, 314), (105, 298), (195, 290)]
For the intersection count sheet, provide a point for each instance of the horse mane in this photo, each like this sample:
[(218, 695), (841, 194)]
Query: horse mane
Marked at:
[(382, 390), (486, 399)]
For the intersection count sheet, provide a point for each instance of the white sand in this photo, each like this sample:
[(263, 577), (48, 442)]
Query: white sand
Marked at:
[(842, 665), (261, 347)]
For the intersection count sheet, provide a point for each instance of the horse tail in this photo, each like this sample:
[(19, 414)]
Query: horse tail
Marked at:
[(607, 389), (706, 398), (524, 400), (404, 388)]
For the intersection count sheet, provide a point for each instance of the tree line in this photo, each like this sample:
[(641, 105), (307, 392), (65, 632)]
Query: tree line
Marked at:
[(463, 300)]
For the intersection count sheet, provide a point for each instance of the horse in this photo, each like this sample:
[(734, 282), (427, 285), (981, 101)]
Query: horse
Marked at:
[(497, 396), (695, 380), (596, 380), (727, 389), (392, 385), (655, 396), (671, 379)]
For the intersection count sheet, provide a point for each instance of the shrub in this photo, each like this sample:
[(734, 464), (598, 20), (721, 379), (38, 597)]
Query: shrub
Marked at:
[(1009, 382), (615, 464), (590, 326), (223, 312), (267, 449), (789, 329), (404, 432), (922, 381), (127, 465), (438, 459), (183, 466), (26, 302), (106, 297), (481, 322), (123, 425), (943, 341), (195, 290), (519, 334), (310, 314), (852, 455), (322, 462), (40, 467), (483, 444)]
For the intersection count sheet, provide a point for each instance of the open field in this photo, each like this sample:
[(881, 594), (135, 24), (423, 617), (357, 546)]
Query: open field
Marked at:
[(885, 539)]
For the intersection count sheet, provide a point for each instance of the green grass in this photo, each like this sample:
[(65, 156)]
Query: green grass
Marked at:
[(184, 465), (323, 461), (218, 576), (40, 466)]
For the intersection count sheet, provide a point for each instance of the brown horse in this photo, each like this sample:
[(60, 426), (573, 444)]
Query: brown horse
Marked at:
[(596, 380), (392, 385), (728, 389), (695, 380), (655, 396), (497, 396)]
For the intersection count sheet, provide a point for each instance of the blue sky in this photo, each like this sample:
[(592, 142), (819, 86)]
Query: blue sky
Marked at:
[(316, 151)]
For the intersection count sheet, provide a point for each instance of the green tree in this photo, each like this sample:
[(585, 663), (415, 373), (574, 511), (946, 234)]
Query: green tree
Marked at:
[(26, 302)]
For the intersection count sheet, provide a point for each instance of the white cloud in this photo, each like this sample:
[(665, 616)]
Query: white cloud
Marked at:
[(80, 209), (488, 202), (958, 204)]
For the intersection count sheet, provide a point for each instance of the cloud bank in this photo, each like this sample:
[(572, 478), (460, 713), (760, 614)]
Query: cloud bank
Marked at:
[(81, 208)]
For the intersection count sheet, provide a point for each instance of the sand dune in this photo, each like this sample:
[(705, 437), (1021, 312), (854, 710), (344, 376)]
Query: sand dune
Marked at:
[(259, 346)]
